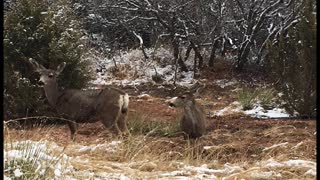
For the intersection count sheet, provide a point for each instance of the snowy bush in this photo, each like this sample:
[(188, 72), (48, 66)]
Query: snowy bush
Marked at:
[(50, 33)]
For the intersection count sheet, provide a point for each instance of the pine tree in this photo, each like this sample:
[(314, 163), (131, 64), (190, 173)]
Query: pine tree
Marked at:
[(293, 64), (48, 32)]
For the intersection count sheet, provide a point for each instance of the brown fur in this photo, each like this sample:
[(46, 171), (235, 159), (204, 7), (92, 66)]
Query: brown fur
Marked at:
[(193, 121), (109, 105)]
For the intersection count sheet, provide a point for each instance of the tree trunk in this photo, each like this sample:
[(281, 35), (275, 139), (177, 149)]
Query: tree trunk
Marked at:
[(242, 58), (182, 65), (212, 56), (188, 52), (195, 67), (177, 57), (213, 53), (197, 54)]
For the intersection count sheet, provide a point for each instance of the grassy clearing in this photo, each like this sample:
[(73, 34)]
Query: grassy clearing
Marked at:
[(152, 149)]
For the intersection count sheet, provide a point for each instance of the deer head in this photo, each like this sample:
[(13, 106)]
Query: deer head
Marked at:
[(47, 76), (187, 96)]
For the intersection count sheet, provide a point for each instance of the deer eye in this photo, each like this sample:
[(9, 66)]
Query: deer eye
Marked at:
[(50, 75), (182, 97)]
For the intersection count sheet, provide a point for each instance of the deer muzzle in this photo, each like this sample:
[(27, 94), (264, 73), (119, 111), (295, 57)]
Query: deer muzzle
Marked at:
[(172, 101), (41, 82)]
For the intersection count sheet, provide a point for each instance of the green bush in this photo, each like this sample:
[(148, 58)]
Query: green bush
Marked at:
[(50, 33), (293, 64)]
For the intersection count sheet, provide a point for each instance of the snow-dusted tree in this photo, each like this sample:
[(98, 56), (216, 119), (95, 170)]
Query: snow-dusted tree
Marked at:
[(179, 23), (293, 63), (240, 26), (256, 21), (49, 32)]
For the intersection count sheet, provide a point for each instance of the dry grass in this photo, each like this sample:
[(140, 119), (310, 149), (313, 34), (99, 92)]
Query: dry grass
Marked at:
[(156, 146)]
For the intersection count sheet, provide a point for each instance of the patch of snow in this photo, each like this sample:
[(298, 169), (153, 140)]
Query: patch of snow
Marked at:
[(40, 153), (207, 147), (261, 175), (311, 172), (106, 147), (143, 96), (201, 172), (123, 177), (176, 173), (299, 162), (294, 163), (57, 172), (225, 83), (17, 173), (234, 107), (6, 178), (274, 164), (260, 112)]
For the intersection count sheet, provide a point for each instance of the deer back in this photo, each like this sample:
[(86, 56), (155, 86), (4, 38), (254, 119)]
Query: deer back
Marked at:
[(89, 104)]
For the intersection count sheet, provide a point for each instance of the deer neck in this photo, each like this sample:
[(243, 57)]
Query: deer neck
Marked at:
[(52, 93), (190, 105)]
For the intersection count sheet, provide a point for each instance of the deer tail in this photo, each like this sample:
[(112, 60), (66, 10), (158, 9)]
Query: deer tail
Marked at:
[(125, 103)]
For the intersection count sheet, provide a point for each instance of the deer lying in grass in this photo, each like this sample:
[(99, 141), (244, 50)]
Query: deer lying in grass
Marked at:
[(193, 121), (109, 105)]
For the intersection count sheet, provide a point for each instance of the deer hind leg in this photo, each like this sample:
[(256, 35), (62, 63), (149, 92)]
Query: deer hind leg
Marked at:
[(111, 122), (122, 123), (73, 129)]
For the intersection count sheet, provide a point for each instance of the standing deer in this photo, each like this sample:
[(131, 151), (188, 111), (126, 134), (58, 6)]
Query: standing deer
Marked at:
[(193, 121), (109, 105)]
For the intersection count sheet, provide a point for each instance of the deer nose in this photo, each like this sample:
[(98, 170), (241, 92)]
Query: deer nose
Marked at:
[(40, 83), (171, 104)]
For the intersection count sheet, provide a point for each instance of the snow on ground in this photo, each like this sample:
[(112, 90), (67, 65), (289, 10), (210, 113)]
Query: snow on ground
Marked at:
[(84, 167), (106, 147), (225, 82), (259, 112), (234, 107), (43, 156), (138, 71)]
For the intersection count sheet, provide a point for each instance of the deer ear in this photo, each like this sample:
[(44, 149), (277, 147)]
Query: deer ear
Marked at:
[(36, 66), (60, 68), (197, 94)]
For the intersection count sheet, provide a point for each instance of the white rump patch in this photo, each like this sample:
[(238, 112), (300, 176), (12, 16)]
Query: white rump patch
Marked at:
[(125, 101)]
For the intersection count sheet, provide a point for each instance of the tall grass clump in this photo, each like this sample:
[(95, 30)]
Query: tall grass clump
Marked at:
[(249, 97), (246, 98), (266, 97)]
